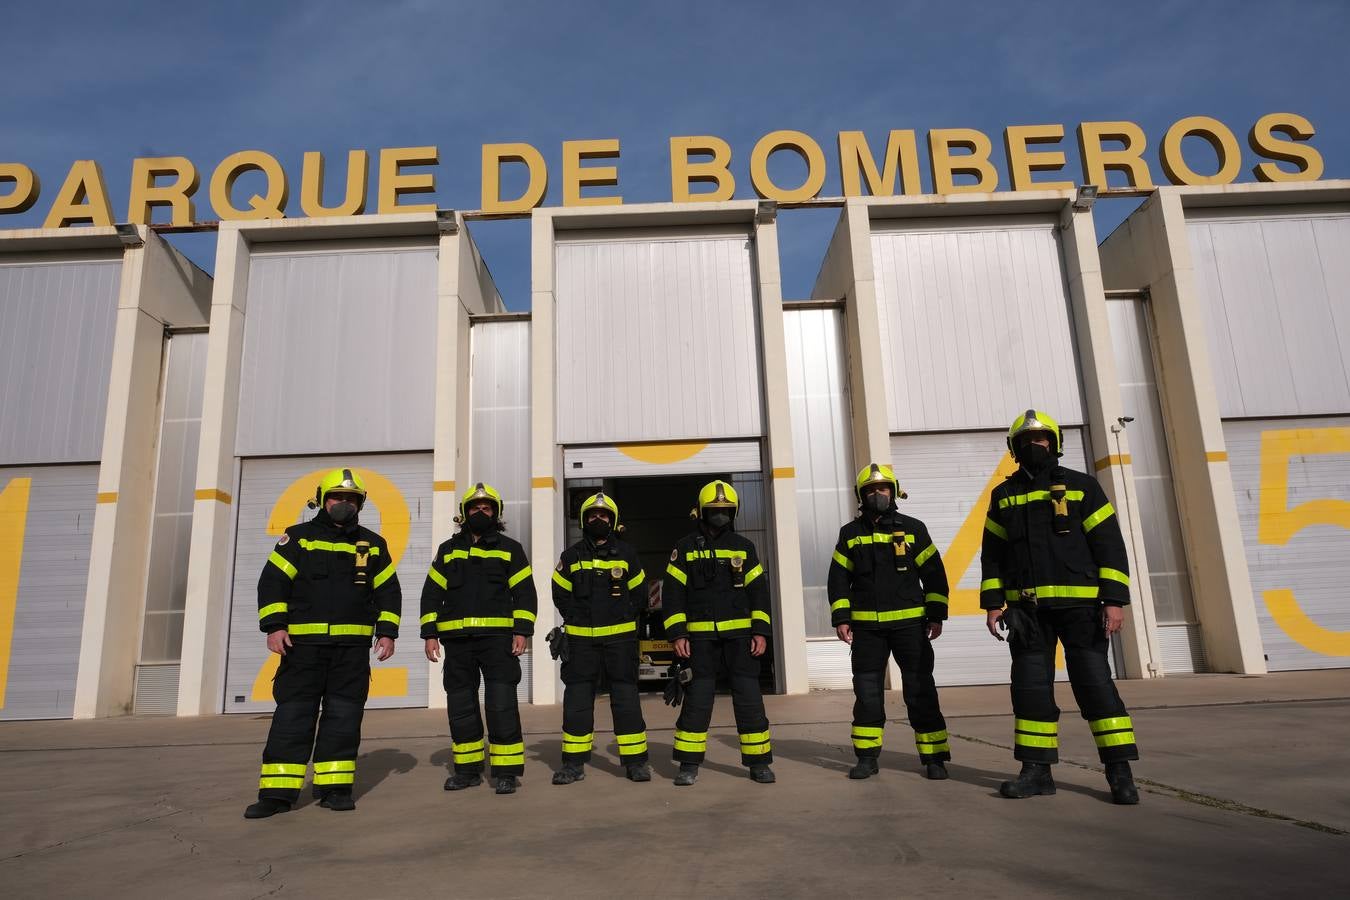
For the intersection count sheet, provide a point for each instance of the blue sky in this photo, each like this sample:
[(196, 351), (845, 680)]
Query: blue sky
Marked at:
[(115, 81)]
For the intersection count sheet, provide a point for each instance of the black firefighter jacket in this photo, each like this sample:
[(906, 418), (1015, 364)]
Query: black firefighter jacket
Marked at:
[(885, 573), (599, 589), (482, 588), (715, 588)]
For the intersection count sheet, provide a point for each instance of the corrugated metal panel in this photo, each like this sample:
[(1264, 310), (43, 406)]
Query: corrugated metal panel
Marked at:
[(1276, 294), (945, 475), (661, 459), (175, 487), (829, 665), (263, 484), (671, 327), (339, 353), (56, 339), (1292, 482), (821, 449), (53, 508), (972, 324), (1163, 544), (1182, 649), (156, 690)]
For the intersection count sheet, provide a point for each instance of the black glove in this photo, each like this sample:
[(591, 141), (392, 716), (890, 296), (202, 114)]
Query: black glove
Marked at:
[(678, 677), (557, 644), (1018, 621)]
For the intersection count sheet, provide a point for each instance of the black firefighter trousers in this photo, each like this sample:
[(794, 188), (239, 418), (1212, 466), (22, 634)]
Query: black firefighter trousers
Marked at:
[(311, 676), (1036, 730), (466, 659), (587, 658), (707, 657), (913, 653)]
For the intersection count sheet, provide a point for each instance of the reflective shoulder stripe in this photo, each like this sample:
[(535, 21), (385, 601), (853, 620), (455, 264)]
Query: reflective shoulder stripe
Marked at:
[(384, 576), (995, 529), (272, 609), (841, 603), (753, 574), (337, 547), (637, 580), (562, 582), (676, 574), (455, 554), (1035, 496), (429, 618), (1114, 575), (490, 554), (386, 616), (1097, 518), (760, 615), (523, 614), (438, 578), (280, 562), (518, 577), (676, 620), (843, 560), (925, 554)]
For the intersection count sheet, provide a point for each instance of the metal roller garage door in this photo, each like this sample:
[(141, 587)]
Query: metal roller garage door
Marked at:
[(1291, 478), (46, 529), (272, 496)]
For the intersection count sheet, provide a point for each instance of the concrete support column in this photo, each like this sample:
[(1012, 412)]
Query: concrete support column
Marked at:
[(546, 475), (1101, 393), (862, 323), (206, 616), (790, 615)]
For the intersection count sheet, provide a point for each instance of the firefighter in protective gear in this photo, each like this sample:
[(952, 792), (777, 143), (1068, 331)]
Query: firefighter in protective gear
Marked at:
[(1053, 553), (599, 587), (716, 600), (478, 604), (888, 597), (327, 589)]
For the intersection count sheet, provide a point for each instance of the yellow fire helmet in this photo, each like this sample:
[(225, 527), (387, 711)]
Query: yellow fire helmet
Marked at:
[(718, 494), (341, 481), (481, 491), (1035, 420), (875, 473), (602, 501)]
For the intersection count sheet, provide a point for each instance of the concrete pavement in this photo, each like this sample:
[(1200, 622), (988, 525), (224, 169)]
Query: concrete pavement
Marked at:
[(1244, 793)]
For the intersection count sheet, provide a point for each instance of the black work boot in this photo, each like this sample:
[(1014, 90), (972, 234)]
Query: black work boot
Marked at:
[(1032, 780), (338, 801), (638, 772), (762, 775), (505, 784), (866, 768), (688, 774), (935, 771), (1121, 780), (461, 780), (267, 806), (569, 773)]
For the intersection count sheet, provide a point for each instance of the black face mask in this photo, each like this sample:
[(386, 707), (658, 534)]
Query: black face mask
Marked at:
[(717, 519), (342, 513), (480, 523), (876, 503), (1034, 458), (597, 529)]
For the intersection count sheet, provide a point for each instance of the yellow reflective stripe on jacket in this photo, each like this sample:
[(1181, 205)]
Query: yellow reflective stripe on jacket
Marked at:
[(876, 538), (1113, 575), (760, 615), (354, 630), (428, 618), (478, 552), (843, 560), (562, 582), (284, 769), (637, 579), (386, 616), (1035, 496), (991, 584), (523, 614), (474, 622), (925, 554), (1100, 516), (725, 624), (887, 615), (455, 554), (338, 547), (714, 554), (676, 574), (518, 577), (1057, 592), (841, 603), (601, 630), (597, 564), (271, 609), (383, 576), (308, 628), (995, 529), (754, 573), (676, 619), (935, 598), (438, 578), (280, 562)]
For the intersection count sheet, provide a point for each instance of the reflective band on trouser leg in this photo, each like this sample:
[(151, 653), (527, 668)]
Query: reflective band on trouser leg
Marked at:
[(756, 749), (867, 740), (689, 746), (631, 744), (505, 757), (1035, 741), (932, 744), (1115, 738), (280, 777), (334, 772), (577, 743), (471, 752)]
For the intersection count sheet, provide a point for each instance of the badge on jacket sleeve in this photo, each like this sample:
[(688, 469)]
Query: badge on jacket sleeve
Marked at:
[(285, 539), (675, 555)]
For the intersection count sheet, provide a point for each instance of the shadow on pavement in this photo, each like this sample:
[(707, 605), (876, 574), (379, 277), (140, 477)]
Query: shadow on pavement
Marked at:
[(377, 765)]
